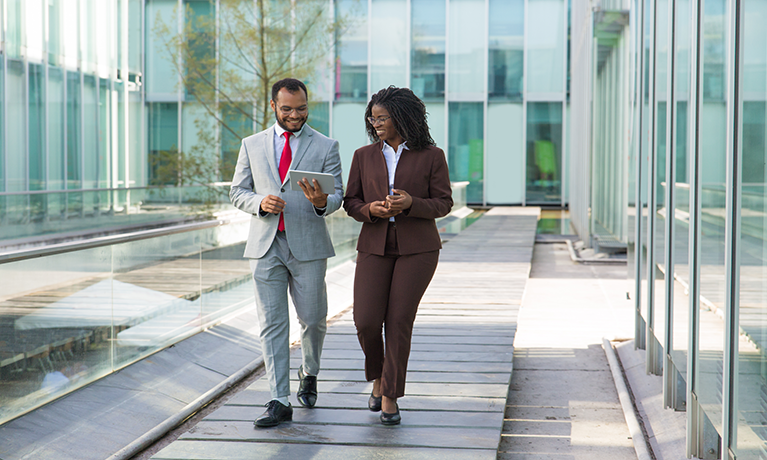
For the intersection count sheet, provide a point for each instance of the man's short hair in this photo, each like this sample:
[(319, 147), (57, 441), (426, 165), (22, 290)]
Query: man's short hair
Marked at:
[(291, 84)]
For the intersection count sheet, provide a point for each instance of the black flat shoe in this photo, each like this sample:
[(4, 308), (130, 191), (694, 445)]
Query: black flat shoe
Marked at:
[(391, 419), (307, 389), (275, 414), (374, 402)]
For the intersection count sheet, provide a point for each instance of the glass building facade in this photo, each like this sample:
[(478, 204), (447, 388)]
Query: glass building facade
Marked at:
[(685, 191), (92, 105)]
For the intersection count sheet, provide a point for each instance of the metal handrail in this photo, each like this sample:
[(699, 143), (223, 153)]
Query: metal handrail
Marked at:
[(71, 246), (111, 189)]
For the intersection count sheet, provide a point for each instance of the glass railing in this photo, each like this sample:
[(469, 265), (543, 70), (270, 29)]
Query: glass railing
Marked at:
[(73, 312), (29, 216)]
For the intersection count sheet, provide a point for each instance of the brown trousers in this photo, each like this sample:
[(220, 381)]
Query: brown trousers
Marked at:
[(387, 291)]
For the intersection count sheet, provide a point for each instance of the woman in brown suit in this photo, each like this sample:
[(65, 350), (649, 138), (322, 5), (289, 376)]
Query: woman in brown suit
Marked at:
[(397, 187)]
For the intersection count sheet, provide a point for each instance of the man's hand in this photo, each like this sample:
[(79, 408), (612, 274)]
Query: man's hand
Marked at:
[(400, 201), (380, 209), (313, 192), (272, 204)]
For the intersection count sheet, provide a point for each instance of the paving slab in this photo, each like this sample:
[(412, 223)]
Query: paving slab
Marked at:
[(225, 450), (562, 402), (460, 366)]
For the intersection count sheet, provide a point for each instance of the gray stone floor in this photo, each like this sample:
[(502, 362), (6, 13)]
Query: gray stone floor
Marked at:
[(562, 401), (460, 367)]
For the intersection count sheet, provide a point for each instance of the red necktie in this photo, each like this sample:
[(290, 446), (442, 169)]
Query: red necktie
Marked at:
[(285, 159)]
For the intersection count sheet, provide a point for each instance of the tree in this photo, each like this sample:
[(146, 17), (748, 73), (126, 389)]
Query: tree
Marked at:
[(227, 61)]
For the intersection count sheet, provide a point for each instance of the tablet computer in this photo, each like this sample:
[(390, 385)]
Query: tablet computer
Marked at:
[(326, 181)]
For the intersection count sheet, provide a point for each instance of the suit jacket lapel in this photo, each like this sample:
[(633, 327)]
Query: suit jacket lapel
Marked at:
[(382, 169), (270, 155), (303, 146)]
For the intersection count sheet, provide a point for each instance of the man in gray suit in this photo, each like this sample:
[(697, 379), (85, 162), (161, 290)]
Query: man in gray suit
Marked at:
[(288, 244)]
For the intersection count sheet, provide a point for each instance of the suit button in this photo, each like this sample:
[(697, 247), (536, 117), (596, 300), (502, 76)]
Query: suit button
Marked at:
[(282, 190)]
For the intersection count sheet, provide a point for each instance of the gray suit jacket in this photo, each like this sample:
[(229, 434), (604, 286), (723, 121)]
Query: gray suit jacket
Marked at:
[(257, 175)]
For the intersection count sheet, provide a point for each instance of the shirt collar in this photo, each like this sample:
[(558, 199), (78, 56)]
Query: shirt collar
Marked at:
[(402, 146), (280, 132)]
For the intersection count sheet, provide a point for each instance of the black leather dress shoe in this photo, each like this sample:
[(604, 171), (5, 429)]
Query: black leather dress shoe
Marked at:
[(307, 389), (374, 402), (275, 414), (391, 419)]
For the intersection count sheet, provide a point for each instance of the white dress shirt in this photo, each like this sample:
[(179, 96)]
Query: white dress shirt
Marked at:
[(392, 159)]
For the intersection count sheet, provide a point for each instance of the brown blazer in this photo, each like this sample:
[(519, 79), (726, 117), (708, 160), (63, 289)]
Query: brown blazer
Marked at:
[(423, 174)]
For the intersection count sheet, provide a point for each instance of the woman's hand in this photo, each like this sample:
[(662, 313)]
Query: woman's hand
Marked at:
[(381, 210), (400, 201)]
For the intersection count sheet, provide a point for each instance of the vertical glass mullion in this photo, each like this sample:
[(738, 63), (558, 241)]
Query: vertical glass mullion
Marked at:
[(650, 265), (732, 231), (668, 373), (696, 67), (638, 201)]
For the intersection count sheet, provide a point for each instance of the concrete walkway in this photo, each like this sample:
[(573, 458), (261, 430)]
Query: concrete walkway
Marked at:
[(562, 400), (459, 371)]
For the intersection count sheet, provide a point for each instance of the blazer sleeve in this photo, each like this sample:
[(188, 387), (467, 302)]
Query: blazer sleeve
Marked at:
[(440, 200), (354, 201), (242, 192)]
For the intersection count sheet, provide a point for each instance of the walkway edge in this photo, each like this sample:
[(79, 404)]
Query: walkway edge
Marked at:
[(148, 438), (637, 436)]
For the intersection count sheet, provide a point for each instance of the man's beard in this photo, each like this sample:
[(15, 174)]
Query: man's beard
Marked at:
[(282, 125)]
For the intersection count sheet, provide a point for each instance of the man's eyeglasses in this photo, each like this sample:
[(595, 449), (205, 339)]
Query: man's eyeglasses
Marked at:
[(374, 121), (285, 110)]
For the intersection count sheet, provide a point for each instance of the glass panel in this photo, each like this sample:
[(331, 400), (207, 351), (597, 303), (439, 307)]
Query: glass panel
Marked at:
[(14, 33), (713, 135), (162, 139), (59, 339), (91, 158), (54, 31), (134, 35), (319, 117), (136, 145), (658, 238), (349, 130), (681, 269), (388, 63), (16, 144), (56, 129), (646, 151), (750, 416), (161, 77), (74, 164), (546, 46), (506, 53), (467, 50), (466, 147), (122, 164), (427, 59), (201, 45), (103, 134), (505, 153), (236, 126), (352, 52), (544, 152), (34, 32), (36, 127), (87, 41), (70, 28), (149, 310), (435, 113)]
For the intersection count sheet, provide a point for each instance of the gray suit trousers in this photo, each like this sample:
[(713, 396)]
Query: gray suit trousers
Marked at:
[(273, 274)]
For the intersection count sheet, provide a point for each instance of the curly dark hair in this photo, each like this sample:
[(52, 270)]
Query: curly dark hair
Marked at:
[(408, 113), (291, 84)]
